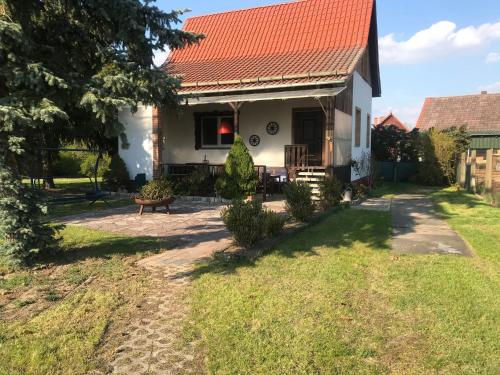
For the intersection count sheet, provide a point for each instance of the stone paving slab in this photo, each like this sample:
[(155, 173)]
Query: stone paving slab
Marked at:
[(194, 230), (374, 204)]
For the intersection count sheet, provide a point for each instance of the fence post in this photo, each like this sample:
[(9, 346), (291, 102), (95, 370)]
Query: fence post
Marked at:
[(488, 176), (473, 171), (462, 169)]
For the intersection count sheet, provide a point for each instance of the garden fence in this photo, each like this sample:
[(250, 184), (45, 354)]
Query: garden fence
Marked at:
[(479, 171)]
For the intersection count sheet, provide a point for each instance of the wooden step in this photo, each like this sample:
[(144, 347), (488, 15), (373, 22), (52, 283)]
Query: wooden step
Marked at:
[(318, 174)]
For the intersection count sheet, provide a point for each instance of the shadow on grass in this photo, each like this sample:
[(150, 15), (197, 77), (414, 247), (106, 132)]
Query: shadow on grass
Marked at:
[(80, 244), (335, 231)]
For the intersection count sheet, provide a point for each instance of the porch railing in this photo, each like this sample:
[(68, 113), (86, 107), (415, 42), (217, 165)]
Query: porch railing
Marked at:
[(296, 157), (215, 170)]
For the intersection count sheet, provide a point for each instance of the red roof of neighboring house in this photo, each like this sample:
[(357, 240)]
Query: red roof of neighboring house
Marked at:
[(480, 113), (391, 119), (298, 42)]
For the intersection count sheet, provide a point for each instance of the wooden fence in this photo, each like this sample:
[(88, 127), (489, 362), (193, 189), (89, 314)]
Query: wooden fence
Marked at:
[(479, 171)]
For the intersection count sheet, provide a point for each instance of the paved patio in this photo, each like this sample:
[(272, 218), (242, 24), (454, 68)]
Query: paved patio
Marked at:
[(194, 230)]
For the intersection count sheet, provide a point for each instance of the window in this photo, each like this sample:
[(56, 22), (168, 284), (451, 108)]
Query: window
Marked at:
[(368, 130), (217, 131), (357, 128)]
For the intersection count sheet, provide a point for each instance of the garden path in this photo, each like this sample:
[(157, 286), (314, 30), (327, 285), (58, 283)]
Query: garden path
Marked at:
[(152, 341), (418, 229)]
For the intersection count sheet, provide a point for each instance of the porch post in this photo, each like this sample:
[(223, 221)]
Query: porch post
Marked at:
[(236, 116), (156, 138)]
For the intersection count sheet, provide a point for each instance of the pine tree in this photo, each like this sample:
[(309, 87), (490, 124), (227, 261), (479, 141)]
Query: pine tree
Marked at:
[(66, 69), (239, 179)]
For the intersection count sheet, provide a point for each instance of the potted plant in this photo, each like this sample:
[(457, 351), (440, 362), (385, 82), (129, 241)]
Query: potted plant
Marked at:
[(156, 193)]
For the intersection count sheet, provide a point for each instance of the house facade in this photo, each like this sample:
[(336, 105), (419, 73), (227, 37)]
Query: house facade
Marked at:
[(480, 114), (294, 80)]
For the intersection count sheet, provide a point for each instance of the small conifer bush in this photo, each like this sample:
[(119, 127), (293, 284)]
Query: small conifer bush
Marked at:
[(239, 179), (299, 202), (245, 221)]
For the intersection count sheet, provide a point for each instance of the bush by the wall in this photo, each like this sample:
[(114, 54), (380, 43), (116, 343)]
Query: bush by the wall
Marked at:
[(330, 192), (245, 221), (201, 183), (239, 179), (273, 223), (299, 202), (116, 177)]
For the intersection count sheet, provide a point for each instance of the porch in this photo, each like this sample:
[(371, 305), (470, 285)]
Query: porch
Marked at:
[(285, 132)]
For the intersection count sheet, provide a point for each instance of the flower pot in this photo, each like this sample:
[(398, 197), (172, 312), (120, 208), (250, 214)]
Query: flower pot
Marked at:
[(154, 203)]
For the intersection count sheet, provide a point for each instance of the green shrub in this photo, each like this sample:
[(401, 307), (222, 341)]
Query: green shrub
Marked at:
[(245, 221), (299, 202), (273, 223), (87, 165), (156, 190), (440, 150), (330, 192), (200, 183), (239, 179), (116, 177)]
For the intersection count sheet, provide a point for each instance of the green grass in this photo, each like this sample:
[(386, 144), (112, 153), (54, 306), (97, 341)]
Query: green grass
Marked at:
[(73, 183), (57, 211), (77, 186), (390, 189), (333, 299), (72, 303), (476, 220)]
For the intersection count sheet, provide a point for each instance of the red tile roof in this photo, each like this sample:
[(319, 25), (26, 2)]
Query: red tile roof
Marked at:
[(391, 119), (480, 113), (276, 42)]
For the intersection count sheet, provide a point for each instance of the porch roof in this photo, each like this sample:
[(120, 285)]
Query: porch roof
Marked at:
[(262, 96)]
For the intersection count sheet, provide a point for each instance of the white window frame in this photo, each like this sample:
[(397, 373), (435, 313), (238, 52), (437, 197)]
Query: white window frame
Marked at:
[(219, 144)]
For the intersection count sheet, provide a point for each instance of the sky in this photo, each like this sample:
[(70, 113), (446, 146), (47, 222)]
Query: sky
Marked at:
[(427, 48)]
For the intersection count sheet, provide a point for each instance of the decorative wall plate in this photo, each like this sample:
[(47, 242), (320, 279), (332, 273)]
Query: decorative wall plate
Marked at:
[(254, 140), (272, 128)]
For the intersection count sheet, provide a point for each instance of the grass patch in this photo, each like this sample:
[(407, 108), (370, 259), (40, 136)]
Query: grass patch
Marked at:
[(56, 211), (53, 318), (391, 189), (333, 299), (476, 220)]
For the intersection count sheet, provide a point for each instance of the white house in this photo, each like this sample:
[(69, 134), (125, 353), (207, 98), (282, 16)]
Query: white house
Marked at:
[(295, 80)]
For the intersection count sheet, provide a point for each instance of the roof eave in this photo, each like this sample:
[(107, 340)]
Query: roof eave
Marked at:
[(233, 90)]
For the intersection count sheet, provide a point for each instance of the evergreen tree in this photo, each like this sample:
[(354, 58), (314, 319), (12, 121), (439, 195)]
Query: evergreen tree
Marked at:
[(66, 69), (239, 179)]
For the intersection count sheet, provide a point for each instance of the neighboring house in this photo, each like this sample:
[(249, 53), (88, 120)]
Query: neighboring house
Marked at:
[(295, 80), (479, 113), (390, 120)]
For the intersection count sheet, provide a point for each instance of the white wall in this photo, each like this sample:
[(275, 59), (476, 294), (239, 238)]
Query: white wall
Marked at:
[(362, 98), (342, 139), (180, 140), (138, 127)]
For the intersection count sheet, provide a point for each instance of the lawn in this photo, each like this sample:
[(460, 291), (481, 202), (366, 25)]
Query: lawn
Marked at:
[(77, 186), (333, 299), (55, 318)]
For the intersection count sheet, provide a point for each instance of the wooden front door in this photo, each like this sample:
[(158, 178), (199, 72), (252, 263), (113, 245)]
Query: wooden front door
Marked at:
[(308, 129)]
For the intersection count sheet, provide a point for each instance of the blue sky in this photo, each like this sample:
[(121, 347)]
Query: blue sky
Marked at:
[(427, 48)]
